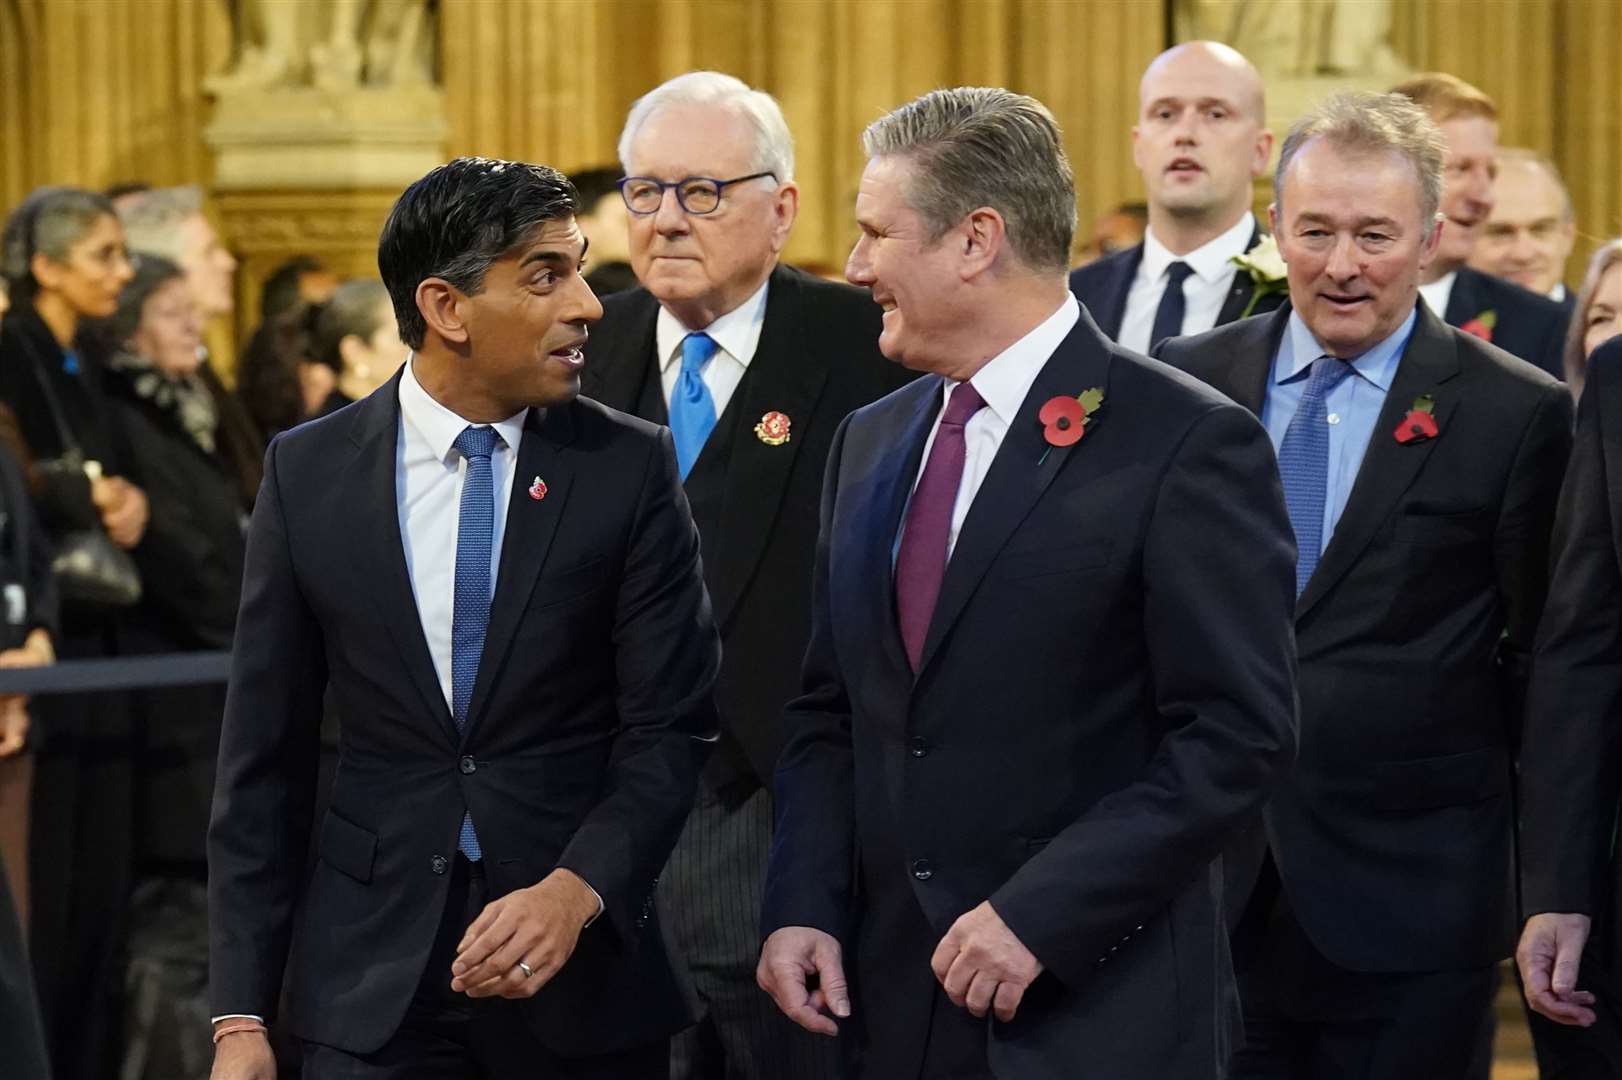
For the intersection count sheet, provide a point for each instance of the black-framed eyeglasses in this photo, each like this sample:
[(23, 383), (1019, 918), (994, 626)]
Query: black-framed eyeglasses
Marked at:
[(644, 195)]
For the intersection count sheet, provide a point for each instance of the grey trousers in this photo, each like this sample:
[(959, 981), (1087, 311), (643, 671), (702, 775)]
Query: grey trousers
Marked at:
[(709, 902)]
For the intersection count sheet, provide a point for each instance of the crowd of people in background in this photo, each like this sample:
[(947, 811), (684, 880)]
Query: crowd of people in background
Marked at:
[(129, 464)]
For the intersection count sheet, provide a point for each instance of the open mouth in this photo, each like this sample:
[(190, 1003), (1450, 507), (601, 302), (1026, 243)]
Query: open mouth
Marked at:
[(1345, 303), (1184, 166), (570, 357)]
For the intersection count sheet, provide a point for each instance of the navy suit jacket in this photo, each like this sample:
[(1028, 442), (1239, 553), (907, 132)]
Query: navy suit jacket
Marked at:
[(1393, 834), (582, 746), (1097, 708), (1526, 325), (1102, 286)]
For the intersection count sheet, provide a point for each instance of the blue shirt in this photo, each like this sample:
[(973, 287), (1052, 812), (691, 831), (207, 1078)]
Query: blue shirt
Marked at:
[(1354, 405)]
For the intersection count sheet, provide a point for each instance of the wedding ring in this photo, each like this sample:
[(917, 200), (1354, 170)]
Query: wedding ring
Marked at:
[(525, 969)]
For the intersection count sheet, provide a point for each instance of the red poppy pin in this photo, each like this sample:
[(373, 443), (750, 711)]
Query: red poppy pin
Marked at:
[(537, 490), (773, 429), (1065, 419), (1420, 423), (1482, 325)]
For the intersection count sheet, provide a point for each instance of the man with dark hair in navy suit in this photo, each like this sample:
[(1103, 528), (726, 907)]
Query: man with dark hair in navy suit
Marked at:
[(1200, 141)]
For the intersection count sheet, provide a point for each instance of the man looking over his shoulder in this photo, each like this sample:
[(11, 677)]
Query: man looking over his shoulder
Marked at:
[(1200, 142), (498, 583)]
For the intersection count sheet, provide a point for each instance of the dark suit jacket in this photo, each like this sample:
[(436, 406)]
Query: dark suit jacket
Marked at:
[(1571, 764), (1102, 286), (582, 746), (1393, 833), (756, 504), (1527, 325), (1094, 713)]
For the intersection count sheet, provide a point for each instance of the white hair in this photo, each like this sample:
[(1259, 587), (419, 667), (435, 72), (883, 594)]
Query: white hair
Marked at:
[(774, 146)]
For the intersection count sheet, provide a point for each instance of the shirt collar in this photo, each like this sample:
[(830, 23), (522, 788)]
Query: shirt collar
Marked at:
[(1007, 377), (1558, 293), (1439, 292), (737, 332), (438, 426), (1378, 365), (1210, 262)]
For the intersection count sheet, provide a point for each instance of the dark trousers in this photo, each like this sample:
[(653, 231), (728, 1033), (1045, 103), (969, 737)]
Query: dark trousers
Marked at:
[(449, 1036), (22, 1039), (709, 903), (1307, 1018)]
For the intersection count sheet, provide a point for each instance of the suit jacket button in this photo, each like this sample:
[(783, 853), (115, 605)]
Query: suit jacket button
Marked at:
[(918, 746), (468, 766), (922, 870), (439, 864)]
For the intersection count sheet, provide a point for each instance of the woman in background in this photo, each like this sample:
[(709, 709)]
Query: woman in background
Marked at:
[(200, 490), (1597, 316), (355, 336), (63, 257)]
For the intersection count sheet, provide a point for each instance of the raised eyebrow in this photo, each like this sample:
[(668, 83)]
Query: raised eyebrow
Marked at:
[(552, 255)]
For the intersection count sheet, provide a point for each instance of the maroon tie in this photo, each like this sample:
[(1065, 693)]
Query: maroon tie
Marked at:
[(921, 562)]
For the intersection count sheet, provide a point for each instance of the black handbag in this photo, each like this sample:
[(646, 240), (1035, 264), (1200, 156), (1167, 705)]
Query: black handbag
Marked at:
[(90, 570)]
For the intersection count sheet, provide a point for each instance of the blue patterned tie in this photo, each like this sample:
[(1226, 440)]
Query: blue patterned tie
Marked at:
[(1303, 463), (475, 531), (692, 409)]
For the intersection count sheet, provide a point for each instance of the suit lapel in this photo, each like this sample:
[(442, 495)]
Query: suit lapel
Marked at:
[(380, 558), (1464, 302), (1016, 480), (1389, 467), (1244, 372), (531, 525), (1239, 294), (783, 378), (617, 372), (1114, 303)]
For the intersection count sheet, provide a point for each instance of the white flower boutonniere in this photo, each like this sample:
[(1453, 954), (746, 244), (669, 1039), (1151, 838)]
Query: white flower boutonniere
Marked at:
[(1267, 270)]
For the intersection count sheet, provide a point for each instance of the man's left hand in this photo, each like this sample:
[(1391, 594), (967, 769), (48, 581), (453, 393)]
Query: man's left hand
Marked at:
[(983, 966), (539, 925)]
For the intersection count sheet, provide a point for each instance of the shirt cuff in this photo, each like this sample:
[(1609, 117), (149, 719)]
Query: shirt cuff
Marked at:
[(236, 1016), (599, 911)]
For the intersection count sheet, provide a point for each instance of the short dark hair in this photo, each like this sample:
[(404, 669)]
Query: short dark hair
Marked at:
[(280, 292), (594, 184), (457, 220), (352, 310)]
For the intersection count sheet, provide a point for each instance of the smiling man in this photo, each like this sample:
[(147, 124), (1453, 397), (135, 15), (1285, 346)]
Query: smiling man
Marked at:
[(1029, 720), (1421, 467), (1532, 227), (1200, 143), (753, 365), (1517, 320), (497, 585)]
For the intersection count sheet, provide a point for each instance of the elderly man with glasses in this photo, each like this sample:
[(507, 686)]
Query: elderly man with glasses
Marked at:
[(753, 365)]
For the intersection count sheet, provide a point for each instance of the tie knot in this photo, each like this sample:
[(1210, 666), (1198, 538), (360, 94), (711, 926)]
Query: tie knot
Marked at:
[(1328, 371), (1177, 273), (963, 402), (696, 350), (477, 442)]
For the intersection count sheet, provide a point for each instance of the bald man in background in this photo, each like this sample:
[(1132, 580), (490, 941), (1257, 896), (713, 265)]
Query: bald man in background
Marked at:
[(1201, 143)]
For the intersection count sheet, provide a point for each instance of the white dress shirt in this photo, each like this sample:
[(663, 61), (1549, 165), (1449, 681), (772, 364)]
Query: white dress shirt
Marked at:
[(428, 475), (1003, 383), (737, 333), (1558, 293), (1438, 293), (1204, 291)]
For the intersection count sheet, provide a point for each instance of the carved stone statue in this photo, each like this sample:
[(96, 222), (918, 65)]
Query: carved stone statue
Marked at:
[(334, 46), (1295, 39)]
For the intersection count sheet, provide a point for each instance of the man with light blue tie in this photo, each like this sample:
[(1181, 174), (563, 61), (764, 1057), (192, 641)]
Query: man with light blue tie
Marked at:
[(753, 364), (497, 585), (1420, 468)]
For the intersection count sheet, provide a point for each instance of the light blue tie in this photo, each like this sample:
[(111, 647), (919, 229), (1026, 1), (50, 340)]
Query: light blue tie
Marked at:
[(1303, 463), (475, 531), (692, 409)]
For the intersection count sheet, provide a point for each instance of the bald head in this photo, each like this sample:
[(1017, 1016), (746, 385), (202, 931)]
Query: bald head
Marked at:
[(1200, 142), (1221, 69)]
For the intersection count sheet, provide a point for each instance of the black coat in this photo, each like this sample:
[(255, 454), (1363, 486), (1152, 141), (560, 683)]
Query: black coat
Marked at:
[(1103, 284), (582, 747), (1571, 764), (1094, 713), (191, 559), (1393, 834), (755, 503), (1525, 324)]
